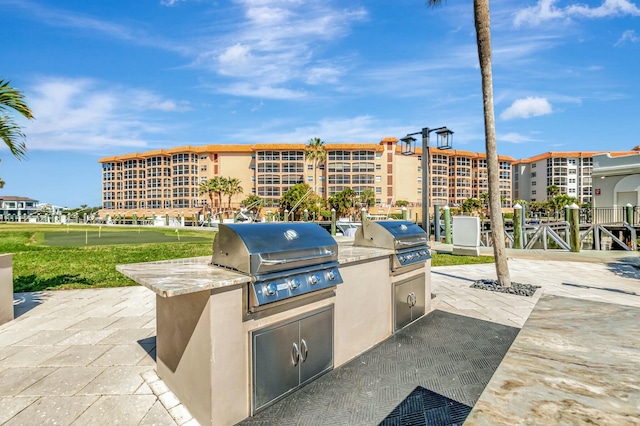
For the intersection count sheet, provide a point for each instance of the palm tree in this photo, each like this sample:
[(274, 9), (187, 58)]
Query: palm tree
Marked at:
[(483, 38), (211, 188), (368, 198), (231, 188), (553, 191), (484, 198), (10, 132), (317, 153)]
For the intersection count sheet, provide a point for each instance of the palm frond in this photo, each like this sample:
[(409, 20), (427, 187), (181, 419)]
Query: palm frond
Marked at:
[(11, 98), (11, 134)]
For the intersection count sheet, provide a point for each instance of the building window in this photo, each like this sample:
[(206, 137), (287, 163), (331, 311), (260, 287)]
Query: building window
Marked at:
[(339, 155), (533, 183), (268, 156), (378, 190), (378, 178), (378, 166), (309, 178), (362, 155), (533, 192), (533, 174), (533, 166), (339, 179), (309, 166)]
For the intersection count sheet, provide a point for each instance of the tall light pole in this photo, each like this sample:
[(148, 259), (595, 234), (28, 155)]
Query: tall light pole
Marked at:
[(445, 138)]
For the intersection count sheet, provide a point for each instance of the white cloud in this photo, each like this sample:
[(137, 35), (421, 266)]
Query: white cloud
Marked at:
[(546, 10), (86, 115), (261, 91), (323, 74), (528, 107), (630, 36), (279, 42), (608, 8), (515, 138), (170, 2)]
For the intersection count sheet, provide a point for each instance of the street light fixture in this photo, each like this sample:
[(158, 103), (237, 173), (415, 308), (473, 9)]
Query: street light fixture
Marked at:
[(444, 141)]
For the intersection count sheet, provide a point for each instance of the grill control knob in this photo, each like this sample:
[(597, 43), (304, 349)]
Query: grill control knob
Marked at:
[(314, 279), (401, 258), (294, 283), (331, 275), (270, 289), (409, 256)]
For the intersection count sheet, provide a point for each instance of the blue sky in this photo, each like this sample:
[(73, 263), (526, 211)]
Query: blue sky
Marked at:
[(120, 76)]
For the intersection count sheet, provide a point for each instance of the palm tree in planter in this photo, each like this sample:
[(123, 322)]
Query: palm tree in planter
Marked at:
[(483, 38), (317, 153), (11, 134)]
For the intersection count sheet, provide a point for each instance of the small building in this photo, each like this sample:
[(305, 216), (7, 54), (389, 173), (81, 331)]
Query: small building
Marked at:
[(16, 208), (616, 184)]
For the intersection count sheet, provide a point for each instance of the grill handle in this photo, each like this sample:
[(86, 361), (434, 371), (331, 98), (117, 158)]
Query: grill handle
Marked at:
[(295, 259), (305, 350), (295, 355), (410, 243)]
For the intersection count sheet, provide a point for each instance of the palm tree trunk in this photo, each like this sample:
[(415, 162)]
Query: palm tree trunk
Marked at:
[(483, 34)]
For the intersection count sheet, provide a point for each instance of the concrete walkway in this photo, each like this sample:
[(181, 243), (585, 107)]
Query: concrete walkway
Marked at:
[(87, 356)]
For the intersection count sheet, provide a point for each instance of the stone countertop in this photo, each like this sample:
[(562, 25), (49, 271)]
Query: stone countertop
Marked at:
[(567, 366), (169, 278)]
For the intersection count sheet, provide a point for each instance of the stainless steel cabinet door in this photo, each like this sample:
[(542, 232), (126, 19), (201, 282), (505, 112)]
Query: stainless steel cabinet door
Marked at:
[(402, 305), (316, 345), (275, 363), (417, 286), (409, 300)]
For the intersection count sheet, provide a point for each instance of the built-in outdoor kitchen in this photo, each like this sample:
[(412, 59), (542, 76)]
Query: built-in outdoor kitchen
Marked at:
[(276, 306)]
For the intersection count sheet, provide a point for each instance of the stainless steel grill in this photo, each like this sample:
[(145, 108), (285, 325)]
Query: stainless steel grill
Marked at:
[(406, 239), (284, 260)]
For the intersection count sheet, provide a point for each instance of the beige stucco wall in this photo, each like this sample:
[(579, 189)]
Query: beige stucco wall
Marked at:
[(363, 305), (6, 288)]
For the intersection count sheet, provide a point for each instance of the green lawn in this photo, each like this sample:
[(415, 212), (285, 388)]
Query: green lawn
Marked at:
[(59, 265), (96, 237), (57, 257)]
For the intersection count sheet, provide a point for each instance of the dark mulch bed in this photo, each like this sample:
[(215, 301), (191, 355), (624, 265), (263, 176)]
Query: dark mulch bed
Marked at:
[(518, 289)]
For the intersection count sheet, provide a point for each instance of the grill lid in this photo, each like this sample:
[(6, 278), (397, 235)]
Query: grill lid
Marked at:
[(390, 234), (259, 248)]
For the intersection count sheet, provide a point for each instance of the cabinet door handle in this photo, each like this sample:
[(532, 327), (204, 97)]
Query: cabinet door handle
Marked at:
[(305, 350), (295, 355), (412, 299)]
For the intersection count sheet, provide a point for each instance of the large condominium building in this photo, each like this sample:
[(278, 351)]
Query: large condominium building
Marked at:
[(167, 181), (569, 171)]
